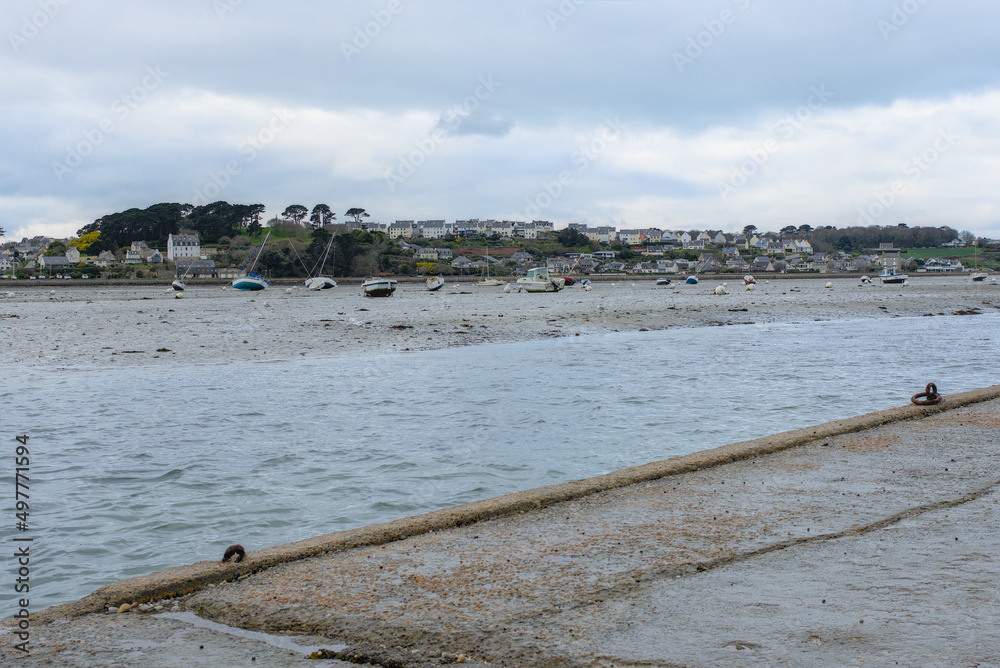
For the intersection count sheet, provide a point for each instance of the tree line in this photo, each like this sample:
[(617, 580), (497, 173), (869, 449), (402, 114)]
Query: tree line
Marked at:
[(155, 223), (210, 221)]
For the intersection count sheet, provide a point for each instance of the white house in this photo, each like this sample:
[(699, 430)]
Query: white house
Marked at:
[(182, 245), (435, 229)]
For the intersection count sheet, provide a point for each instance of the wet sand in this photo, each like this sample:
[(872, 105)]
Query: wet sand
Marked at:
[(119, 326)]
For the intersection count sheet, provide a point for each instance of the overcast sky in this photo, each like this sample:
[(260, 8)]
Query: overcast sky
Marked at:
[(677, 115)]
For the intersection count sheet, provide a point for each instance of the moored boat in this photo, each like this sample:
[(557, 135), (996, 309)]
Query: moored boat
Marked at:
[(692, 280), (748, 280), (320, 283), (250, 280), (889, 275), (486, 281), (434, 283), (538, 280), (976, 274), (378, 287), (316, 279), (663, 281)]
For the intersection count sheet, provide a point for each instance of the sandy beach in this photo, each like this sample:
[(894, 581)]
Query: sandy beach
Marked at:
[(81, 326)]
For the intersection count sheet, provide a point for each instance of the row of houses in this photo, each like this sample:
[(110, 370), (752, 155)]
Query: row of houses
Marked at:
[(474, 228), (653, 237), (31, 254), (467, 229)]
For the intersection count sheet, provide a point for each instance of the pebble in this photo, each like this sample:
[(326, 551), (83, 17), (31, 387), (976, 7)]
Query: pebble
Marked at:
[(124, 607)]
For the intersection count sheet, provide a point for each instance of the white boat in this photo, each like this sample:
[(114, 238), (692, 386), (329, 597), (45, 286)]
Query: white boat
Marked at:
[(378, 287), (488, 282), (976, 274), (434, 283), (692, 280), (250, 280), (316, 280), (749, 280), (538, 280), (889, 275), (320, 283), (663, 281), (178, 283)]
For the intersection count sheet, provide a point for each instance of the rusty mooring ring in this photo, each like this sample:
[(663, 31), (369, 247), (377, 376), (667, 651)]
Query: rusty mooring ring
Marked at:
[(930, 392), (236, 552)]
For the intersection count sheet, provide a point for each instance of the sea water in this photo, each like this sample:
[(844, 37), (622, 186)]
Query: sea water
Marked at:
[(139, 469)]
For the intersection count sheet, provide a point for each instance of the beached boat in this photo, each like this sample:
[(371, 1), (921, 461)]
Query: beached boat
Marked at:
[(316, 280), (976, 274), (692, 280), (889, 275), (320, 283), (486, 281), (178, 283), (663, 281), (434, 283), (538, 280), (749, 280), (250, 280), (378, 287)]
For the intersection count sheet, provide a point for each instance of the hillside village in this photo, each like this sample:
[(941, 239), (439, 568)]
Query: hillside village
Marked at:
[(411, 247)]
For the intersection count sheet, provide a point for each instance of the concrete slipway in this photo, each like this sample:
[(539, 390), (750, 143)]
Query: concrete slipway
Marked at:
[(867, 541)]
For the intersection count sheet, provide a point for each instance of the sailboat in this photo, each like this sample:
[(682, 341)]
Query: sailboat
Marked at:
[(178, 283), (316, 280), (250, 280), (488, 282), (978, 275)]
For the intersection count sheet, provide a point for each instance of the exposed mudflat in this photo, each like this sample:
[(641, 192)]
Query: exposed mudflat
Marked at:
[(80, 326)]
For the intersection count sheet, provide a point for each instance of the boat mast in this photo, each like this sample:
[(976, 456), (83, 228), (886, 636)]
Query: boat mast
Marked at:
[(260, 250)]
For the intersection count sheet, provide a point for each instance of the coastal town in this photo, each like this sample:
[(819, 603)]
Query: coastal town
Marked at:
[(474, 246)]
